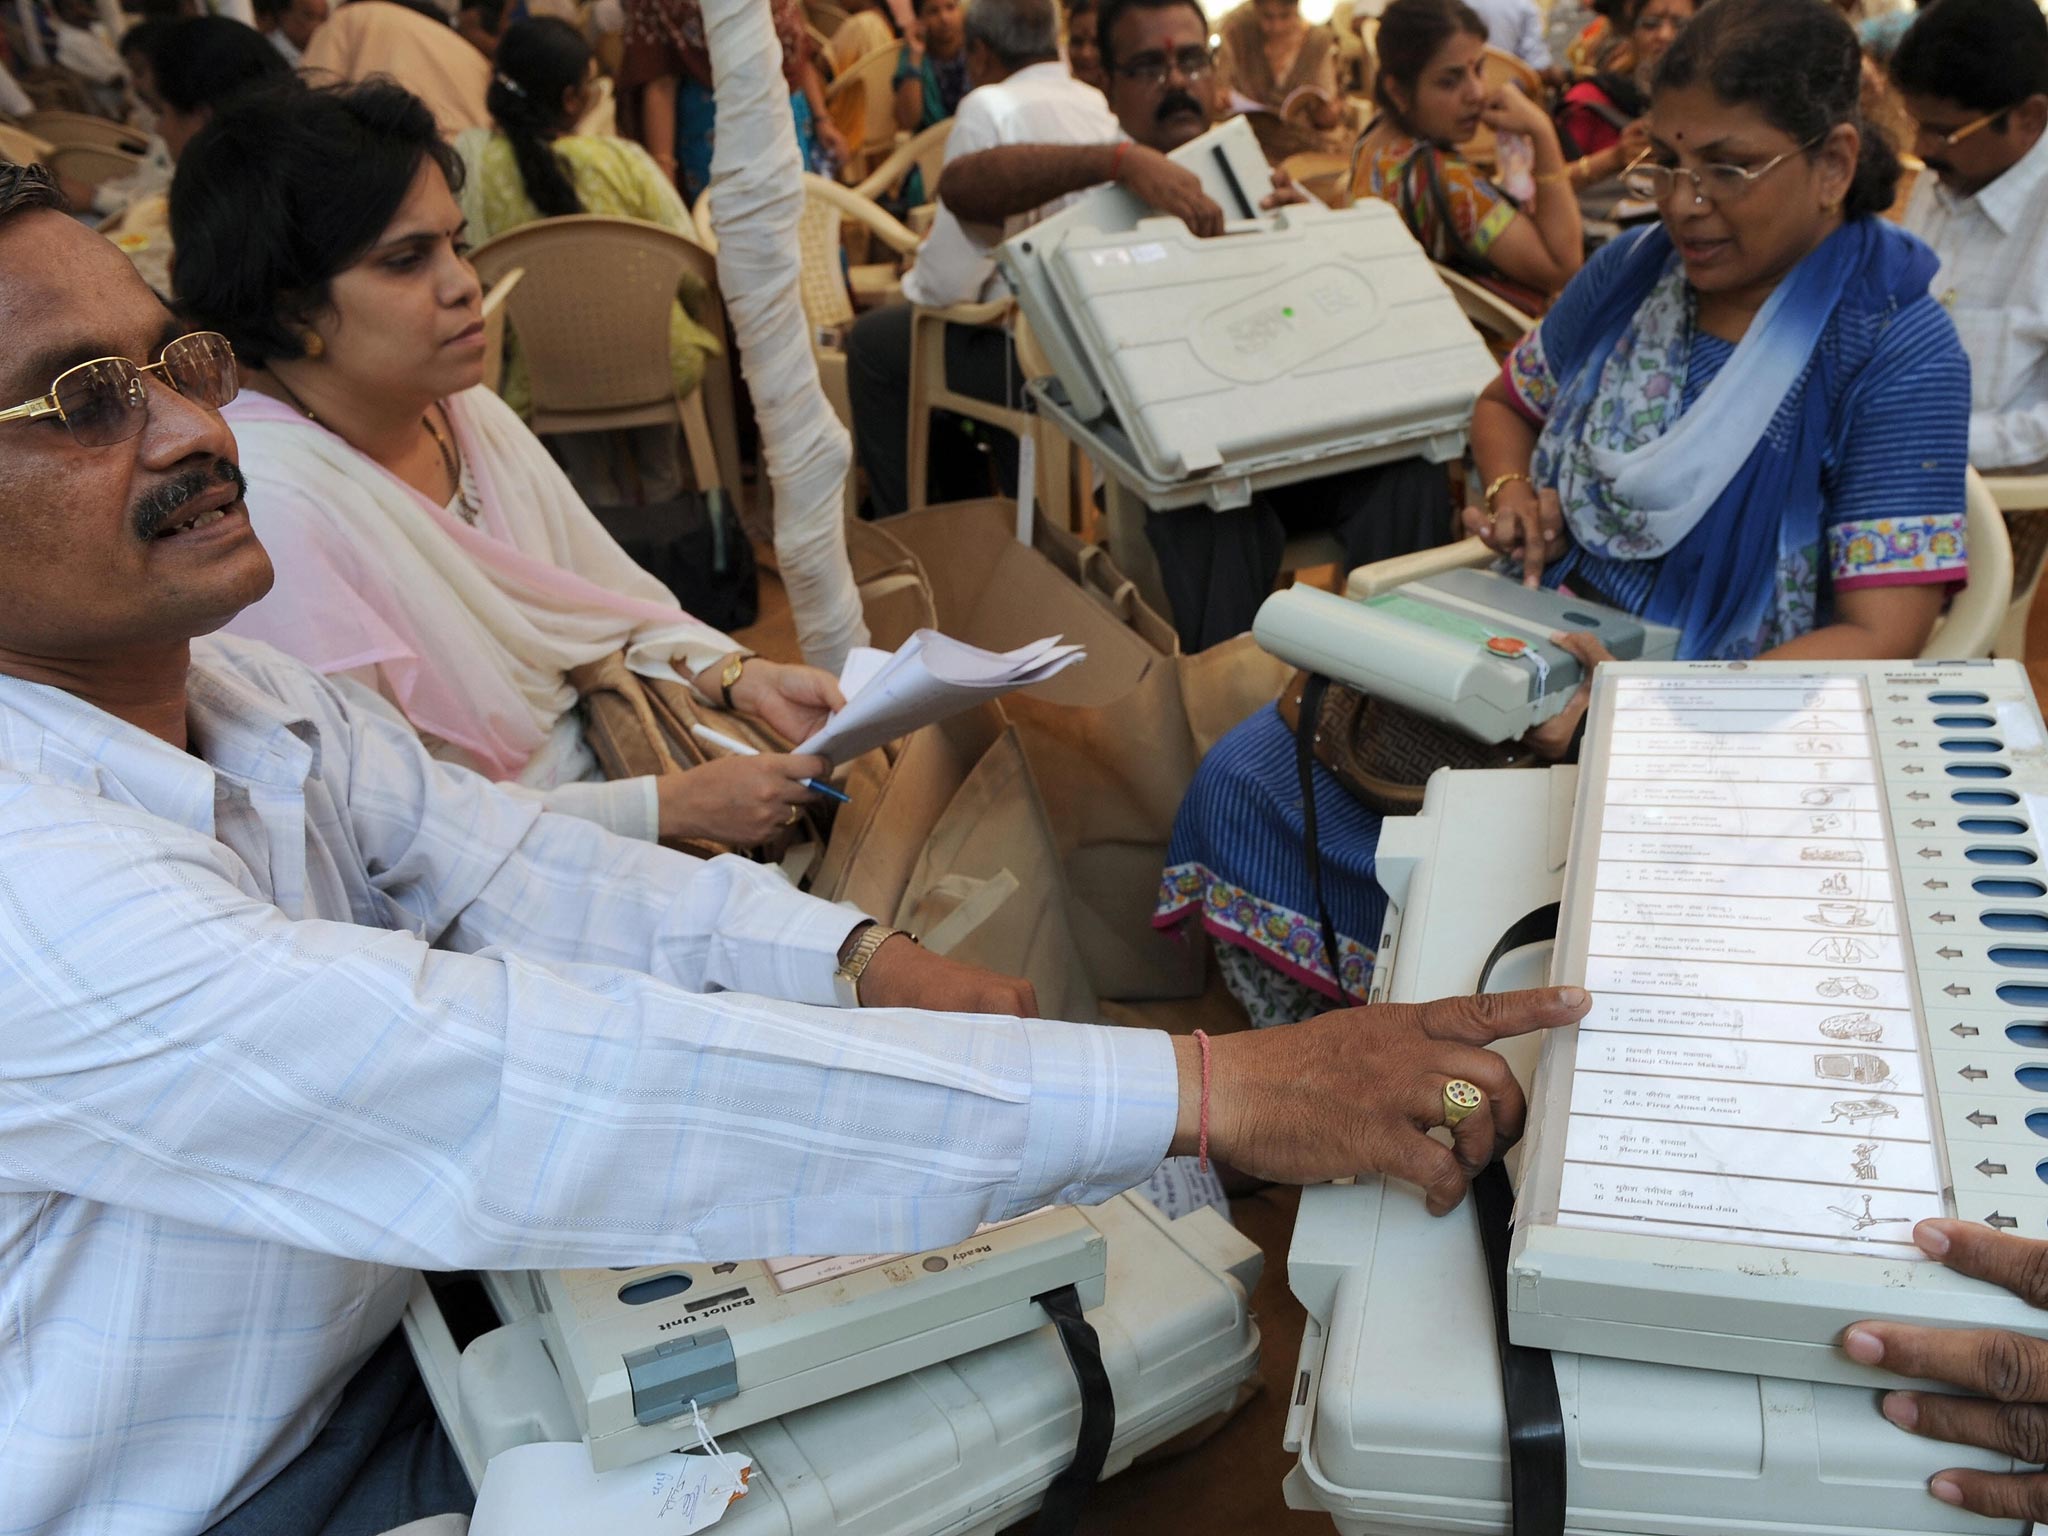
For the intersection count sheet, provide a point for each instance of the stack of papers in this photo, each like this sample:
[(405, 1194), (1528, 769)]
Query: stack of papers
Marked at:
[(930, 678)]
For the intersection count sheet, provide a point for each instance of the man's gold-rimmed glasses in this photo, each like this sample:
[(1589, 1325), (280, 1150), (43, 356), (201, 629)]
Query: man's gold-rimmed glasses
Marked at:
[(1956, 136), (105, 401)]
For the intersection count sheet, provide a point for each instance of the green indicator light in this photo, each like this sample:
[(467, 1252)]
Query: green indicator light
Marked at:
[(1288, 312)]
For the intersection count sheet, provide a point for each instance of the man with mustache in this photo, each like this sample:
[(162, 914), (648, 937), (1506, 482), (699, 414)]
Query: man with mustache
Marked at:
[(291, 1010), (1974, 76), (1021, 93), (1217, 567)]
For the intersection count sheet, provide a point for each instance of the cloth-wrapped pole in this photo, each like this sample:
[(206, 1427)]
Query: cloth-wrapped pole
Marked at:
[(757, 197)]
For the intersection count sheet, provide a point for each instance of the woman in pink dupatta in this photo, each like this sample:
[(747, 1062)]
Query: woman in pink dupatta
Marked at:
[(426, 546)]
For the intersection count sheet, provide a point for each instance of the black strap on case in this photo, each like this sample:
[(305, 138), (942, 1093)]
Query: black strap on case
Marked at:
[(1536, 1444), (1064, 1500)]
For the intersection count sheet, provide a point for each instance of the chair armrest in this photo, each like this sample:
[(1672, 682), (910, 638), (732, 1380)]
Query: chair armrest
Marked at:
[(2018, 493), (994, 312), (1369, 581), (863, 211)]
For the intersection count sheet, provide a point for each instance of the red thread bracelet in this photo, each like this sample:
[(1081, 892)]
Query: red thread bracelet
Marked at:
[(1116, 170), (1202, 1142)]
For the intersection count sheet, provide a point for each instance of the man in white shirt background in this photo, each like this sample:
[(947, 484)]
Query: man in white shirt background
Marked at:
[(1023, 94), (292, 1010), (1974, 76)]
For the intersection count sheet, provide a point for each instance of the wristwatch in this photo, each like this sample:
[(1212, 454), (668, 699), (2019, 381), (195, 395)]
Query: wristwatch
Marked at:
[(854, 957), (729, 674)]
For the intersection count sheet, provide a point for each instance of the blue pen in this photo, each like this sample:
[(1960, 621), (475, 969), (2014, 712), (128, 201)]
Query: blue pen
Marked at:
[(718, 739)]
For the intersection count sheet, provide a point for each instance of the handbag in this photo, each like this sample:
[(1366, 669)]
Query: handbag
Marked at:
[(1384, 753), (695, 547), (640, 727)]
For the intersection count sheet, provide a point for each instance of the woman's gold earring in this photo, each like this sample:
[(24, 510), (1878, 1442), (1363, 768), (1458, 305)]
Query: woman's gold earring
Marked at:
[(311, 341)]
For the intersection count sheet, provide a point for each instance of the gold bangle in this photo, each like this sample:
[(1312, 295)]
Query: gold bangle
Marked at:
[(1501, 483), (1554, 178)]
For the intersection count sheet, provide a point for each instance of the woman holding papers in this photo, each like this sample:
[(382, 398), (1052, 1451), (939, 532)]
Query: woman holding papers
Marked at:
[(1748, 422), (425, 543), (1281, 72)]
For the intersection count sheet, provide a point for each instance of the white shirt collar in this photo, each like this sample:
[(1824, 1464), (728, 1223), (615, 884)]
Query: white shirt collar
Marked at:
[(2007, 200)]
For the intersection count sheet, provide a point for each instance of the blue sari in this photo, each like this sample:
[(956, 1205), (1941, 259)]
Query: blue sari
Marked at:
[(1855, 474)]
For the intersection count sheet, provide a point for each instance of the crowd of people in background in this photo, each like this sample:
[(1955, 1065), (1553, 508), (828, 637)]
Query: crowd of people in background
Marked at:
[(1781, 268)]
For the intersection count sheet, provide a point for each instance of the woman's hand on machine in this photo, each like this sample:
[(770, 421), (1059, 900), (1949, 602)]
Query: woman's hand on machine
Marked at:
[(2004, 1374), (1553, 738), (1357, 1091), (1525, 525), (794, 700), (738, 800)]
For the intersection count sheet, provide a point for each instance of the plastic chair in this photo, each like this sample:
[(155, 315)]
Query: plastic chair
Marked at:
[(862, 101), (592, 316), (61, 128), (90, 164), (1977, 614), (924, 151), (1500, 68), (1965, 631), (2023, 500), (852, 40), (23, 147), (1492, 315), (826, 17), (1325, 176), (494, 329)]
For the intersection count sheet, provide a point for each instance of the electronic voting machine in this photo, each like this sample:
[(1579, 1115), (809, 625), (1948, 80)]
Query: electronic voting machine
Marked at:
[(1300, 342), (1809, 906), (1468, 648), (1803, 898), (744, 1342)]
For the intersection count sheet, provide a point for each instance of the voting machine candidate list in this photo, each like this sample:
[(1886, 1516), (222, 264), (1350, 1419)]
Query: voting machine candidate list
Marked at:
[(1751, 1068)]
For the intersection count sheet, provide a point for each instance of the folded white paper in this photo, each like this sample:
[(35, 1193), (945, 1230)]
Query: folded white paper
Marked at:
[(931, 677)]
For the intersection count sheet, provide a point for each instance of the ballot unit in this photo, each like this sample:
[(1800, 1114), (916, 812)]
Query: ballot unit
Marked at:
[(1807, 900)]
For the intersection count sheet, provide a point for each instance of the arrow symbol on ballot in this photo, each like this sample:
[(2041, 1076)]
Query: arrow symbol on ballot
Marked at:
[(1923, 823), (1978, 1118), (724, 1269), (1936, 885), (1941, 917), (1962, 1031), (1950, 954), (1991, 1170), (1896, 698), (1912, 768), (1908, 744), (2003, 1223), (1930, 853), (1972, 1074), (1955, 991), (1916, 794)]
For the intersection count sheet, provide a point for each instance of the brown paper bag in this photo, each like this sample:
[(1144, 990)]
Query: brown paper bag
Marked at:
[(1112, 742), (946, 836)]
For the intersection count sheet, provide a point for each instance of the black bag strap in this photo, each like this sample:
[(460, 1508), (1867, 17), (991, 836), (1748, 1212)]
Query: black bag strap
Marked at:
[(1537, 1468), (1061, 1511), (1307, 717)]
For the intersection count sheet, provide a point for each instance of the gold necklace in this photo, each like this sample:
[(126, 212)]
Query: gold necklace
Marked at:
[(464, 507)]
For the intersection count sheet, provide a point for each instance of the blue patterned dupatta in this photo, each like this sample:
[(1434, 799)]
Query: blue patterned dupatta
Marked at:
[(1638, 480)]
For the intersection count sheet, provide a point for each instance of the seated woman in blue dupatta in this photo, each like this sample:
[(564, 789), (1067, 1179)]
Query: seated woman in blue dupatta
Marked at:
[(1748, 420)]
